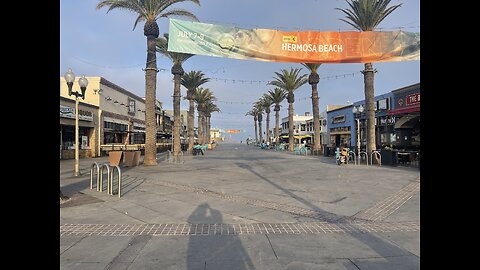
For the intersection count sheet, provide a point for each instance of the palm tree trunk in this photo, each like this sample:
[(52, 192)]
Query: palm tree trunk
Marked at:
[(209, 138), (260, 131), (150, 89), (316, 118), (190, 123), (200, 128), (267, 127), (290, 127), (368, 76), (204, 122), (277, 124), (176, 115), (256, 134)]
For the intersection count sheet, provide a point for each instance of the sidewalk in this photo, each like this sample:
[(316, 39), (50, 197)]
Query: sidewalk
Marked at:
[(240, 207)]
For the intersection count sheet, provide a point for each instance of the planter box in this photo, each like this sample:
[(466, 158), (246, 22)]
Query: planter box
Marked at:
[(131, 158), (114, 157)]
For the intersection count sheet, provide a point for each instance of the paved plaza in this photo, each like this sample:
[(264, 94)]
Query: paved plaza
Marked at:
[(240, 207)]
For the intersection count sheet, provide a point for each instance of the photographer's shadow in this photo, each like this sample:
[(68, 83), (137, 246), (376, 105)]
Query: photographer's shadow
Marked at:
[(214, 251)]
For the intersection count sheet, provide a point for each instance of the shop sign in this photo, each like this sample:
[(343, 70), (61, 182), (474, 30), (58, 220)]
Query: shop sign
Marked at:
[(69, 112), (338, 119), (413, 99), (388, 121)]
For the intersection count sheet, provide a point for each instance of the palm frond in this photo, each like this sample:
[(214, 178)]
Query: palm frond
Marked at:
[(149, 10), (365, 15), (165, 4), (313, 67), (179, 12)]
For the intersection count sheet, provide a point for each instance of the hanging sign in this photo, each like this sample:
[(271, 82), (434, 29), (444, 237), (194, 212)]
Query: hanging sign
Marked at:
[(301, 47)]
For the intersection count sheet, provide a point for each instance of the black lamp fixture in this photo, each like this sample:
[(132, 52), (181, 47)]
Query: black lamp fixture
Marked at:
[(82, 82)]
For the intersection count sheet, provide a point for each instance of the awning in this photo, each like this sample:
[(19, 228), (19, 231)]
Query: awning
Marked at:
[(410, 109), (407, 121)]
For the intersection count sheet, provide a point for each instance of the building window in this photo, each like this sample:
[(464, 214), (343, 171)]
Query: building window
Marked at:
[(115, 126)]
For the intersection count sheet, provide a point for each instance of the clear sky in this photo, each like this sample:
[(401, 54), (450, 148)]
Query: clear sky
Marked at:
[(98, 44)]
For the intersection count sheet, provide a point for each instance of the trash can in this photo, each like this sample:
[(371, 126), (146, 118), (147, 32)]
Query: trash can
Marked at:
[(387, 157)]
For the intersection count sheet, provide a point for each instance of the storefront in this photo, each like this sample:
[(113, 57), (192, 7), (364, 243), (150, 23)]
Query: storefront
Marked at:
[(340, 125), (87, 114), (407, 114), (384, 123)]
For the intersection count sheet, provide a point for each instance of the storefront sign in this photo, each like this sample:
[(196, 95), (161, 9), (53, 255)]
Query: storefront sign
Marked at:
[(413, 99), (388, 121), (69, 112), (338, 119)]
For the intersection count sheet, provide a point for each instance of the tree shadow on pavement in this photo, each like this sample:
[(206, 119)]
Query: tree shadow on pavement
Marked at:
[(215, 251), (375, 243)]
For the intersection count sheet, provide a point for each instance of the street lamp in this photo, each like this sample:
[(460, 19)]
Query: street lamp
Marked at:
[(360, 109), (83, 82)]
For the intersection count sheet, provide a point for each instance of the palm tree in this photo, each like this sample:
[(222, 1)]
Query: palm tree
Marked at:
[(253, 112), (177, 71), (202, 97), (365, 15), (267, 102), (191, 81), (259, 110), (313, 80), (278, 96), (208, 109), (289, 81), (149, 11)]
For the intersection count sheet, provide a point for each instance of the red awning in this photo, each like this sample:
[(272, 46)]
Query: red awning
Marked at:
[(403, 110)]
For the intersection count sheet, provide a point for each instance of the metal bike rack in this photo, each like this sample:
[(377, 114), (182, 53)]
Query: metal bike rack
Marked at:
[(377, 153), (100, 187), (111, 178), (94, 165), (182, 157), (169, 156), (354, 157), (362, 153)]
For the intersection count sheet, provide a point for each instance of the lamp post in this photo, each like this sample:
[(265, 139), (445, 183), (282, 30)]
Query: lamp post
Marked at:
[(83, 82), (360, 109)]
